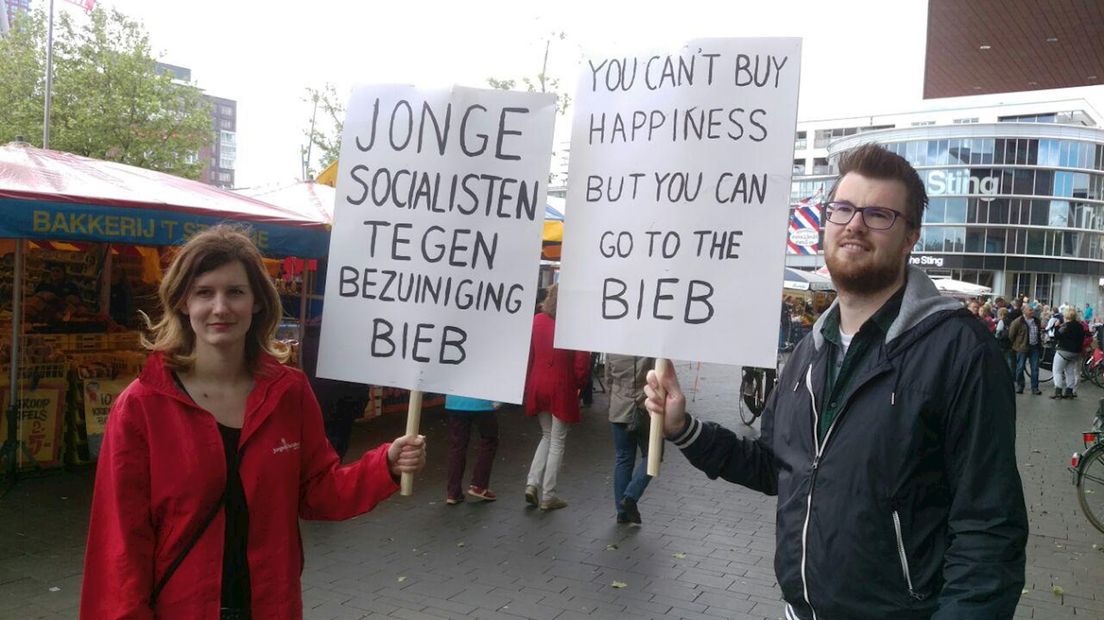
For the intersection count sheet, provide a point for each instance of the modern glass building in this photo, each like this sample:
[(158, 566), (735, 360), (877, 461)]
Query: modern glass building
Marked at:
[(1016, 204)]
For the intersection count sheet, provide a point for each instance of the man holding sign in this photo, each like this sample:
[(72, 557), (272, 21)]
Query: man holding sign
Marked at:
[(890, 441)]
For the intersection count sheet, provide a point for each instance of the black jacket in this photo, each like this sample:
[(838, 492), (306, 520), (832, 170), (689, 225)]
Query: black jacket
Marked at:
[(912, 506)]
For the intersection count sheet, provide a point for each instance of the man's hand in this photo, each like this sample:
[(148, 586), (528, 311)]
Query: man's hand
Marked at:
[(665, 397), (406, 455)]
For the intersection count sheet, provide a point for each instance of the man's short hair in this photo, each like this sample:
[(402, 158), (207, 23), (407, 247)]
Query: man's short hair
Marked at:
[(875, 162)]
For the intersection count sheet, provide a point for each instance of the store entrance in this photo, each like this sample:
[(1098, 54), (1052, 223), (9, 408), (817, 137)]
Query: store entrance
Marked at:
[(1037, 286)]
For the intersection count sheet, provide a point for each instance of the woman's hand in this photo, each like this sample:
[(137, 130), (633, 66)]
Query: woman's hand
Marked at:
[(406, 455)]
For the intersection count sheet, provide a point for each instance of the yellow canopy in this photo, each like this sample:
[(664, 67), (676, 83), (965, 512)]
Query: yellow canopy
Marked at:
[(329, 175)]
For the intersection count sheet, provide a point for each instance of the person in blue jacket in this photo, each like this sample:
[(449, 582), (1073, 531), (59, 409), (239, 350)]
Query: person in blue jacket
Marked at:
[(463, 414)]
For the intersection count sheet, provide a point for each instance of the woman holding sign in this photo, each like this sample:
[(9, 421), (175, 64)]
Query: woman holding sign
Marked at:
[(214, 453), (552, 386)]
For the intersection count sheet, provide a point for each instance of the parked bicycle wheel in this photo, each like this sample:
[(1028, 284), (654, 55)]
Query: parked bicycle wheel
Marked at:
[(752, 398), (1090, 485), (1046, 364)]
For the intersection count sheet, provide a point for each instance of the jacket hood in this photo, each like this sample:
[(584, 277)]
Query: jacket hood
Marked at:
[(921, 301)]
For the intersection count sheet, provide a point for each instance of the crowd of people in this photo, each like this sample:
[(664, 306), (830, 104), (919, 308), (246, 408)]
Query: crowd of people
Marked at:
[(1030, 332)]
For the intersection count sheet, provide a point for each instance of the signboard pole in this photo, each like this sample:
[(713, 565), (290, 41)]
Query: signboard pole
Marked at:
[(413, 422), (655, 432)]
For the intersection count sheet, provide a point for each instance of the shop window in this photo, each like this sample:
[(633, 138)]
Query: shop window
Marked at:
[(1080, 185), (954, 239), (931, 153), (1023, 182), (1063, 184), (1059, 214), (1020, 246), (1036, 242), (1044, 182), (994, 240), (998, 211), (1040, 212), (975, 240), (1064, 158), (936, 212), (933, 239), (956, 211), (1048, 152)]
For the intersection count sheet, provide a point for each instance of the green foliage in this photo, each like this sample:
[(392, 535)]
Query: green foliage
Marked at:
[(109, 101), (324, 131)]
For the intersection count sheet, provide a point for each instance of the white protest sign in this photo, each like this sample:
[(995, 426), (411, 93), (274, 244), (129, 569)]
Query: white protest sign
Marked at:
[(435, 250), (678, 196)]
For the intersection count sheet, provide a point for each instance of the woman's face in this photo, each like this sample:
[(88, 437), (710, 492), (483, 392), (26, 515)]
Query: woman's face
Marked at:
[(220, 306)]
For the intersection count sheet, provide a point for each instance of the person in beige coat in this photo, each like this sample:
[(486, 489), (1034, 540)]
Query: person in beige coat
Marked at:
[(626, 376)]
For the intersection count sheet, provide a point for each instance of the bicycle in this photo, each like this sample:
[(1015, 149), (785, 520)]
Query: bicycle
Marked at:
[(756, 385), (1093, 367), (1088, 472), (1046, 362)]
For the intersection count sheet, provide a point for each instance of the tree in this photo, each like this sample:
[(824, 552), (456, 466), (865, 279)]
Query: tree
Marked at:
[(324, 134), (542, 82), (109, 101)]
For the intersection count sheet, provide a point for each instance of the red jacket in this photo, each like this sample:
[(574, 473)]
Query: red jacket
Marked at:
[(555, 376), (161, 470)]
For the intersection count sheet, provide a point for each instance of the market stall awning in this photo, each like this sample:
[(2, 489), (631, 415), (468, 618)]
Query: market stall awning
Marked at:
[(312, 199), (806, 281), (54, 195)]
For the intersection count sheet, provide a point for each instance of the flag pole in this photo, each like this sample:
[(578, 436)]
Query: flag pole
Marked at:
[(49, 78)]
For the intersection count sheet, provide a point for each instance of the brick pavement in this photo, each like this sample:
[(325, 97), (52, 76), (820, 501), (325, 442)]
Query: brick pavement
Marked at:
[(705, 550)]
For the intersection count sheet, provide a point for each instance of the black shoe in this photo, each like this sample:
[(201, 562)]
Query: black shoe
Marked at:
[(1037, 392), (628, 505), (622, 518), (1070, 393), (1019, 390), (1057, 393)]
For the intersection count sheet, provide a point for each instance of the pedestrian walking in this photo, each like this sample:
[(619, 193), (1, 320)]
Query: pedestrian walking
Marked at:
[(626, 376), (1026, 333), (464, 413), (215, 452), (552, 384), (1070, 340), (890, 440)]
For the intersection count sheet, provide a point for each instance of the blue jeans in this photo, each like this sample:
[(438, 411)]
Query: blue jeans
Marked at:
[(626, 481), (1031, 355)]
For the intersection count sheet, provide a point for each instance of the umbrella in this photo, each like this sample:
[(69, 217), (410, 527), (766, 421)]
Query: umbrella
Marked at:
[(958, 288), (53, 195), (806, 281)]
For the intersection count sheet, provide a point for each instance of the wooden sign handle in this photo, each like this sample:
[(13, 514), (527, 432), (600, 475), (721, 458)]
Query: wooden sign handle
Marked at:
[(413, 422), (655, 432)]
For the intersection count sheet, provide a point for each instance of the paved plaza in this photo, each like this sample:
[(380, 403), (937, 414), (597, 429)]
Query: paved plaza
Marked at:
[(705, 549)]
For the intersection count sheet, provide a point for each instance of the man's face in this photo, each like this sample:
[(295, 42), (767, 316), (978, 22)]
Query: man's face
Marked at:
[(1029, 311), (864, 261)]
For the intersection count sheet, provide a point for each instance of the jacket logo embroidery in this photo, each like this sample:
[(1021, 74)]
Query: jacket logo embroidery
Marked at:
[(285, 446)]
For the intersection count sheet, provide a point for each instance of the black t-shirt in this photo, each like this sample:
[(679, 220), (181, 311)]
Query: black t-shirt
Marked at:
[(235, 560)]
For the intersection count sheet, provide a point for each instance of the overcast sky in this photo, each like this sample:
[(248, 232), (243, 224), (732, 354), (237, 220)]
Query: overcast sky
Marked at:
[(859, 57)]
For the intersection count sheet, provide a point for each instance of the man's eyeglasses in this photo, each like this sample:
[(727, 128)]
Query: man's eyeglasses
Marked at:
[(875, 218)]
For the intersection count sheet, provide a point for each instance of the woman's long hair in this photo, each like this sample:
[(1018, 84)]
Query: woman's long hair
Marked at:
[(223, 244)]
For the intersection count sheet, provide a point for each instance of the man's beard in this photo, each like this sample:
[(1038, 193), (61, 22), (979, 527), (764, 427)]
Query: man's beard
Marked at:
[(865, 278)]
